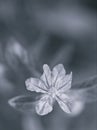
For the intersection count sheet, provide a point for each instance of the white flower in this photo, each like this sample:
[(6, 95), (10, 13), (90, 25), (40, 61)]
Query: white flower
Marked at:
[(54, 85)]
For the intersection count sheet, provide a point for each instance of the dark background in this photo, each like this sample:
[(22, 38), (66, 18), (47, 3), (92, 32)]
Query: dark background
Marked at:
[(35, 32)]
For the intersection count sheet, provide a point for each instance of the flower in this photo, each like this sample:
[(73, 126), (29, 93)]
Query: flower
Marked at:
[(54, 85)]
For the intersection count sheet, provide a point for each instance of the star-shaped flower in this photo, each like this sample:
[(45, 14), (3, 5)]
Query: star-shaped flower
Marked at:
[(54, 85)]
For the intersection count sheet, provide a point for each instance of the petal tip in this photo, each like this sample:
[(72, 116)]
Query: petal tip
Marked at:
[(42, 114), (60, 65), (28, 83), (45, 66), (71, 73)]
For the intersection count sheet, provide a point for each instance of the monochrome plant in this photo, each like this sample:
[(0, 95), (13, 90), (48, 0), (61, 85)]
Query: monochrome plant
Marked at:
[(56, 85)]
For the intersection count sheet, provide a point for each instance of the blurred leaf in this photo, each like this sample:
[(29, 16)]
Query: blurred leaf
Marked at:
[(92, 81), (24, 103), (85, 91)]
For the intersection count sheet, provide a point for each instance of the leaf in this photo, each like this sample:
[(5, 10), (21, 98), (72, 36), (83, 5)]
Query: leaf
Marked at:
[(24, 103), (85, 91), (92, 81)]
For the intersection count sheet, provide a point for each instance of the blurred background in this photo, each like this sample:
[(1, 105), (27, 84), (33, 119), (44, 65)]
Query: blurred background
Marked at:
[(35, 32)]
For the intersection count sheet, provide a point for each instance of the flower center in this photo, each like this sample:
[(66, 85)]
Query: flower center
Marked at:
[(53, 92)]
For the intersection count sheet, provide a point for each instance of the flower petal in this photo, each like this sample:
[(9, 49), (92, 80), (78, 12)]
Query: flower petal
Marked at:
[(36, 85), (58, 72), (59, 78), (64, 102), (72, 101), (46, 77), (44, 105), (65, 83)]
